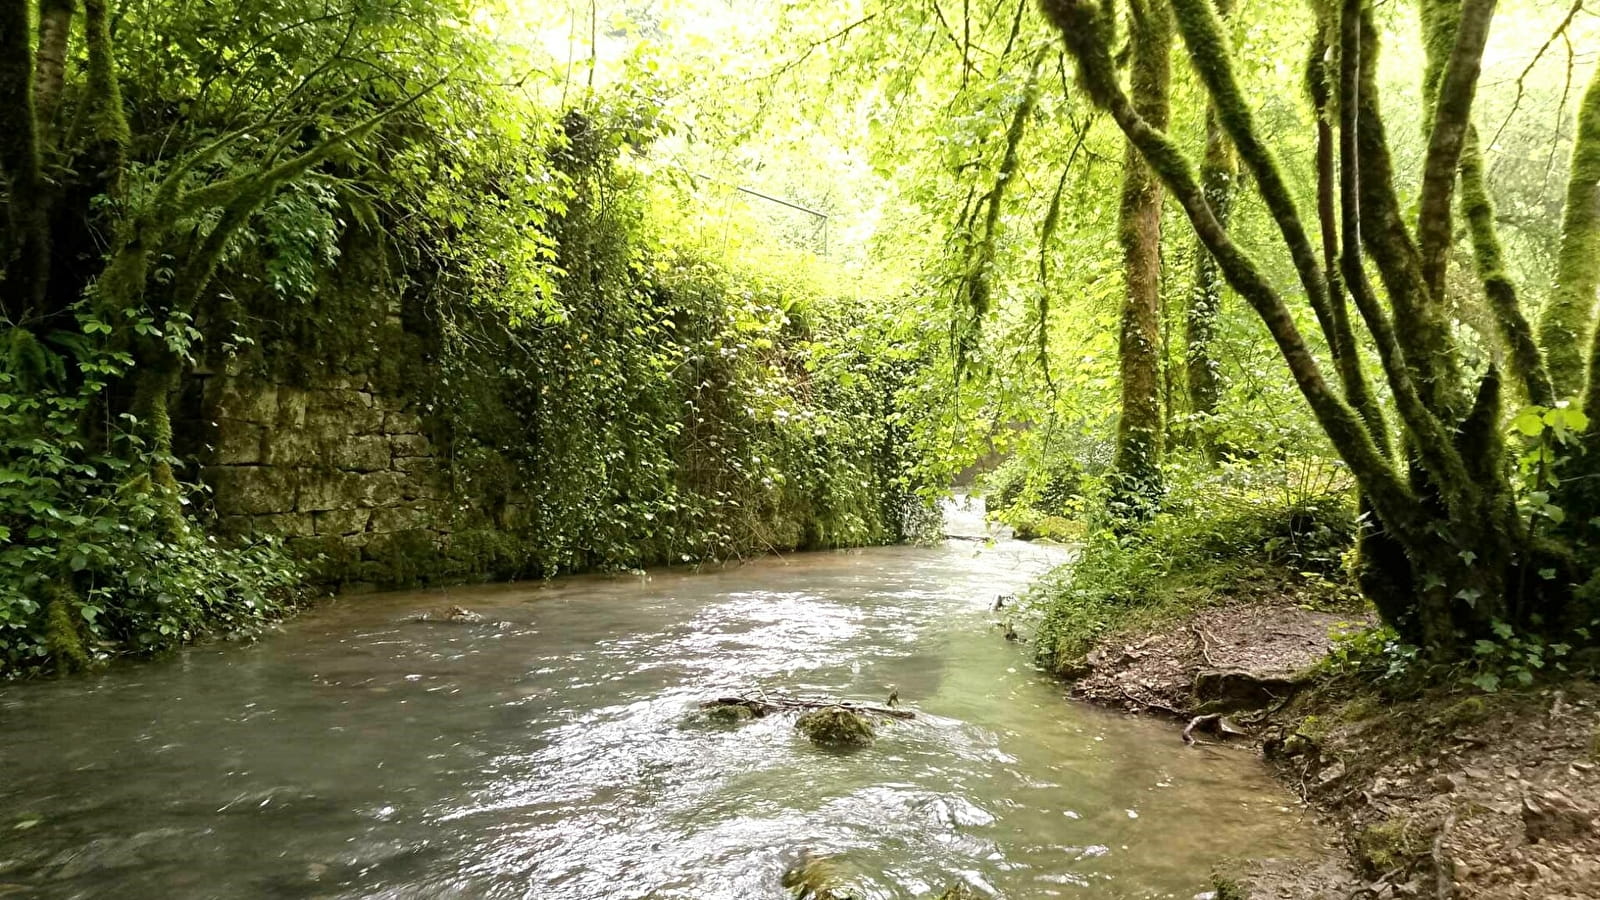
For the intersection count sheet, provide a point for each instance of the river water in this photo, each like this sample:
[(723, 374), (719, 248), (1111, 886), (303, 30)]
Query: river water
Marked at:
[(556, 751)]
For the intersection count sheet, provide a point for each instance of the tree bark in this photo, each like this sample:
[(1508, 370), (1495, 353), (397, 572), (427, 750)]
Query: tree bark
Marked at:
[(25, 253), (1456, 33), (1569, 318), (1217, 175), (50, 64), (1522, 350), (1136, 487)]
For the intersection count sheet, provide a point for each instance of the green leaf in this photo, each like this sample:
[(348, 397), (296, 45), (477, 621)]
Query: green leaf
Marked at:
[(1529, 422)]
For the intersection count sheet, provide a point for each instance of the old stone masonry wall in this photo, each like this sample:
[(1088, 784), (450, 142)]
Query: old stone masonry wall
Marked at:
[(341, 470)]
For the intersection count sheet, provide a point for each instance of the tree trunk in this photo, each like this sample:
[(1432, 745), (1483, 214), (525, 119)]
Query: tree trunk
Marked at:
[(1136, 480), (1568, 319), (1217, 174), (25, 252), (50, 65)]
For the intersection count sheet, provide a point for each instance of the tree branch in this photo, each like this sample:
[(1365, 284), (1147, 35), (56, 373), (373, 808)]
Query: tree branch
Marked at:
[(1451, 116)]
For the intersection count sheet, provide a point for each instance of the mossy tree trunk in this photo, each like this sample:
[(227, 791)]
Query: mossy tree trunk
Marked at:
[(1203, 368), (50, 64), (1136, 479), (25, 251), (1567, 327)]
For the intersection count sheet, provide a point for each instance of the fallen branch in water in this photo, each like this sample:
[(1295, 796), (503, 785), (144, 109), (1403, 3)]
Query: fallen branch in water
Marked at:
[(765, 703)]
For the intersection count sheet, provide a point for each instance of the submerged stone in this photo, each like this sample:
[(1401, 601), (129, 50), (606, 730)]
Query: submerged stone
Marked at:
[(729, 714), (453, 615), (835, 726)]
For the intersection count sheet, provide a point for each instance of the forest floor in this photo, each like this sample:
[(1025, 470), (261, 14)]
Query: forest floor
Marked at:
[(1450, 793)]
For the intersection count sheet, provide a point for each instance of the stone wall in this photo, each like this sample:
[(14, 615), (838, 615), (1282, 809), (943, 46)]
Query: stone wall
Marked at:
[(340, 469)]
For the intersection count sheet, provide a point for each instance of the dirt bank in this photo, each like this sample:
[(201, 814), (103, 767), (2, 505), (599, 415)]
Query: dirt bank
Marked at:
[(1451, 793)]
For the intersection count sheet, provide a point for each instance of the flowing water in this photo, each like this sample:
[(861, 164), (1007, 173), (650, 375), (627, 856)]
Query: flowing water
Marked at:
[(556, 751)]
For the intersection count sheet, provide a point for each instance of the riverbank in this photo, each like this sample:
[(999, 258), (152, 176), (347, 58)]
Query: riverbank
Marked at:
[(1446, 791)]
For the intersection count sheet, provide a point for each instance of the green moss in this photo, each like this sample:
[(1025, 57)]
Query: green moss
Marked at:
[(1569, 317), (1462, 713), (1226, 887), (836, 727), (1386, 845)]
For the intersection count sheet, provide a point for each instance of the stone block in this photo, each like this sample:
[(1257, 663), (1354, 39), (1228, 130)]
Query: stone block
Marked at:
[(343, 413), (341, 521), (243, 399), (283, 524), (325, 490), (376, 489), (362, 453), (402, 423), (238, 443), (427, 486), (251, 490), (290, 447), (390, 519), (425, 468), (292, 403), (404, 445)]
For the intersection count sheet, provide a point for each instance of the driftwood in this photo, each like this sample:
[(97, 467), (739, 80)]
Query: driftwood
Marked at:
[(1212, 722), (767, 703)]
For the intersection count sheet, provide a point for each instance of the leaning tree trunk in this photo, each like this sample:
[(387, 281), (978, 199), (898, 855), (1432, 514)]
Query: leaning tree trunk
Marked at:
[(1136, 486)]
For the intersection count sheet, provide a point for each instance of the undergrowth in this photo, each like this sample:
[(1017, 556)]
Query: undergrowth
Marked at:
[(93, 563), (1245, 531)]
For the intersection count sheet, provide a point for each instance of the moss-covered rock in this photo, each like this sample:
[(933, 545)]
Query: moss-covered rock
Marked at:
[(835, 726), (729, 714)]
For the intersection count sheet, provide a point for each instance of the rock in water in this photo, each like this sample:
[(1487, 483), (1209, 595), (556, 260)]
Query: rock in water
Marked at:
[(454, 615), (729, 714), (814, 878), (835, 726)]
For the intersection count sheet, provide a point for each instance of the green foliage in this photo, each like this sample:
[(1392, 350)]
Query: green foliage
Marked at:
[(1052, 486), (397, 192), (1512, 660), (89, 567), (1244, 529)]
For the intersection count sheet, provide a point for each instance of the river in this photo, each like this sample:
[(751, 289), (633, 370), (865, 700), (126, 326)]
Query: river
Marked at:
[(555, 750)]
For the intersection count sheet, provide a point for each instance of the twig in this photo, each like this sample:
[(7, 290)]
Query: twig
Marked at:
[(1560, 31), (1443, 872), (1205, 645)]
